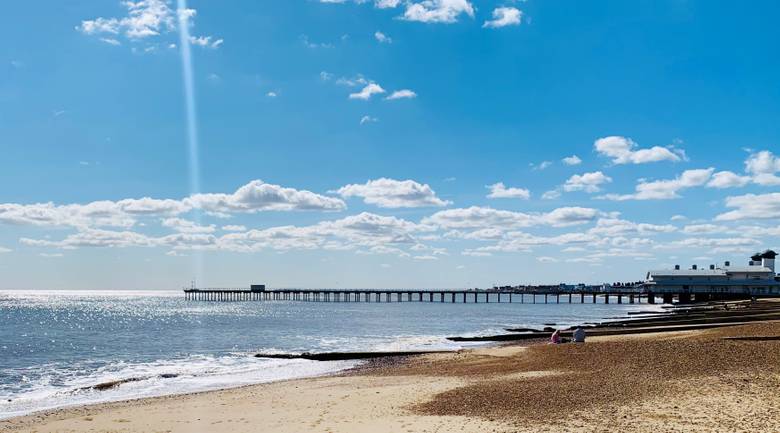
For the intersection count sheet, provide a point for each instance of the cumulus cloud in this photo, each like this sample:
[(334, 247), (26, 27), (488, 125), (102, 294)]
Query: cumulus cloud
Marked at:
[(145, 19), (617, 227), (369, 90), (387, 4), (206, 41), (623, 150), (477, 217), (752, 206), (504, 16), (524, 242), (365, 232), (259, 196), (499, 190), (572, 160), (382, 38), (402, 94), (186, 226), (763, 166), (588, 182), (253, 197), (391, 193), (665, 189), (727, 179), (703, 229), (438, 11)]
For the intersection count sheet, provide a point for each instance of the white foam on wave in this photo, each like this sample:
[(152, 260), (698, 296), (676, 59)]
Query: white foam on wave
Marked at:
[(192, 374)]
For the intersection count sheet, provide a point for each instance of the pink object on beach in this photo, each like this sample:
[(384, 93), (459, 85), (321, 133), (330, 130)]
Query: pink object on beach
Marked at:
[(555, 338)]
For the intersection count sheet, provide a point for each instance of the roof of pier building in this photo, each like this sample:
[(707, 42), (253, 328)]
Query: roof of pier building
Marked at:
[(718, 273)]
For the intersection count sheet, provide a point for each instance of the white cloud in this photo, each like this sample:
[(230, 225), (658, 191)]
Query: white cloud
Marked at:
[(541, 166), (253, 197), (588, 182), (665, 189), (366, 231), (551, 195), (703, 229), (678, 218), (572, 160), (259, 196), (499, 190), (438, 11), (547, 259), (616, 227), (568, 216), (111, 41), (524, 242), (748, 206), (5, 250), (763, 166), (391, 193), (186, 226), (710, 243), (271, 94), (314, 45), (367, 91), (121, 213), (234, 228), (205, 41), (95, 238), (368, 119), (476, 217), (358, 80), (504, 16), (402, 94), (387, 4), (382, 38), (145, 19), (623, 150), (727, 179)]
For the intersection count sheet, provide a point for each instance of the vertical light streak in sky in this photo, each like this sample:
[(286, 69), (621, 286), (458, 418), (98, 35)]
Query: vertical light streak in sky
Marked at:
[(192, 121)]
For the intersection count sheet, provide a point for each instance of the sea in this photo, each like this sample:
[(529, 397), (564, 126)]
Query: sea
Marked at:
[(56, 346)]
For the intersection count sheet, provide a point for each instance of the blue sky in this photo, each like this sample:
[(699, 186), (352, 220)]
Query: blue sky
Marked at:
[(400, 143)]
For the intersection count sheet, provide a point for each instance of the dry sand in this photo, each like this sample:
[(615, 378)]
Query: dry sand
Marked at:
[(687, 381)]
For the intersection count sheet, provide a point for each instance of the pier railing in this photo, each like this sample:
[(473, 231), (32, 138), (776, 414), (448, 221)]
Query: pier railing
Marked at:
[(627, 294)]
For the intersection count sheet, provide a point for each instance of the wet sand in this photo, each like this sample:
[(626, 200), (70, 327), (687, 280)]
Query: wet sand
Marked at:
[(683, 381)]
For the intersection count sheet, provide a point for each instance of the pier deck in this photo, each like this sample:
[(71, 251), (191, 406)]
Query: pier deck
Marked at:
[(431, 296)]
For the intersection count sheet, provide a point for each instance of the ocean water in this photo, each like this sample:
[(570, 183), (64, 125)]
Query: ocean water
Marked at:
[(56, 345)]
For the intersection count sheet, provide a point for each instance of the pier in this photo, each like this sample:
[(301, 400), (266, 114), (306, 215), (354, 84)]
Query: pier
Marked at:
[(624, 295)]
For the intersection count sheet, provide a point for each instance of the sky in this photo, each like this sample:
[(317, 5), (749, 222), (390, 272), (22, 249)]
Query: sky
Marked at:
[(387, 143)]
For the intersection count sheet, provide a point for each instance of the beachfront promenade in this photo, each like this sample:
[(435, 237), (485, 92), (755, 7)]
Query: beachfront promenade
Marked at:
[(624, 294)]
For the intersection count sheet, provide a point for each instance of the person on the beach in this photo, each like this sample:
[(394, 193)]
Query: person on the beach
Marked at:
[(555, 338), (579, 335)]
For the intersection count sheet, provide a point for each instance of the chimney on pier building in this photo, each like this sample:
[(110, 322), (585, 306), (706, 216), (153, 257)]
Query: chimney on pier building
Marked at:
[(768, 259)]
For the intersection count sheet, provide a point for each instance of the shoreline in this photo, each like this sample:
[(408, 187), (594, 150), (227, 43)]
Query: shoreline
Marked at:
[(385, 366), (428, 392), (367, 361), (176, 379)]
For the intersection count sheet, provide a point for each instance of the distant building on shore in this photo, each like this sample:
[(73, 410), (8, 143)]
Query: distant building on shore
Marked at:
[(758, 278)]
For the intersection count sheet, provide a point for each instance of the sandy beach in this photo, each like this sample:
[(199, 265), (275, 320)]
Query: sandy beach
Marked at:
[(720, 379)]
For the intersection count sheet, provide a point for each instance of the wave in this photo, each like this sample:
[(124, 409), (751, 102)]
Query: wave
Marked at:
[(122, 381)]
